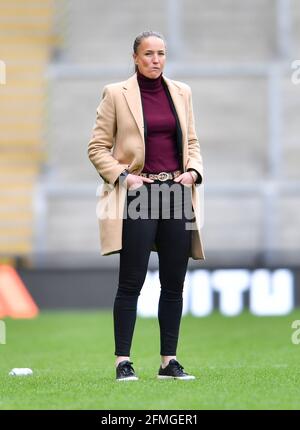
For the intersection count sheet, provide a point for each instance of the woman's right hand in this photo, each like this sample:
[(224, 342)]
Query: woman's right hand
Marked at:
[(136, 181)]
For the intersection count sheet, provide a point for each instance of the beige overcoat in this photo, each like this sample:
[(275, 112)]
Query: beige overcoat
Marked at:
[(118, 143)]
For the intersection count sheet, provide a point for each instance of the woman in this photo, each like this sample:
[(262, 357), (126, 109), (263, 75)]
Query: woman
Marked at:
[(144, 140)]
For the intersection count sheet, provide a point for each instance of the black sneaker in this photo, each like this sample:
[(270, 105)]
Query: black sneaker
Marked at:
[(174, 370), (125, 372)]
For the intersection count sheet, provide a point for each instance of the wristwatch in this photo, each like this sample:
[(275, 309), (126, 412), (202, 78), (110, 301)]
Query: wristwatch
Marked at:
[(194, 174), (124, 174)]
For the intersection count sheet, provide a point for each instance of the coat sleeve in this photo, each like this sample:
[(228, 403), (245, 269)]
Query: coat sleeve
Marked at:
[(195, 157), (103, 138)]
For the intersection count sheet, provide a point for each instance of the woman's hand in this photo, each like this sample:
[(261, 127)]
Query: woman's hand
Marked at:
[(136, 181), (186, 178)]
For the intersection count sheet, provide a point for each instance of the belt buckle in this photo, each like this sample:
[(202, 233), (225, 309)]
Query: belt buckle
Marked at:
[(163, 176)]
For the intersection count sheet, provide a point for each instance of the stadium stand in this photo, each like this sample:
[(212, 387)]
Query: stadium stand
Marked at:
[(237, 58)]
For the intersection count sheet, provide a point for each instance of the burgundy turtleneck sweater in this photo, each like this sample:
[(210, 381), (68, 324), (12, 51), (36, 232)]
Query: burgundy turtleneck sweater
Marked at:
[(161, 152)]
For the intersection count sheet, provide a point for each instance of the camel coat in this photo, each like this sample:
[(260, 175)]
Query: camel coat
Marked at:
[(118, 143)]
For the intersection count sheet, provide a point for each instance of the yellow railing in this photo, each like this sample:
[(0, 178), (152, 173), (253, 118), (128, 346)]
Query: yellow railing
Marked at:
[(26, 40)]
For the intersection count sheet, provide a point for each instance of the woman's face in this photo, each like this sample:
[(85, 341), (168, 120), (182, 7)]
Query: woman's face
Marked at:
[(151, 57)]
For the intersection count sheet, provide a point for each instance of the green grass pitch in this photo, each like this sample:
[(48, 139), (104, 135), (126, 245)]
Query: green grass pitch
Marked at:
[(243, 362)]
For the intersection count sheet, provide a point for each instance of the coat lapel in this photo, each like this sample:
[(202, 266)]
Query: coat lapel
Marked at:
[(178, 99), (131, 91)]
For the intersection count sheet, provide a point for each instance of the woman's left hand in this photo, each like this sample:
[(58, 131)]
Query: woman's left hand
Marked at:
[(185, 178)]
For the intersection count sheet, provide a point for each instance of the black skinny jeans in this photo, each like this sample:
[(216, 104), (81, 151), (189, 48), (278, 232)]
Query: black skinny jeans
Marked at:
[(173, 241)]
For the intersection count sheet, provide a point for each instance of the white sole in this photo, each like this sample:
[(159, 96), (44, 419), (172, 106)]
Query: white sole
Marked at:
[(130, 378), (183, 378)]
